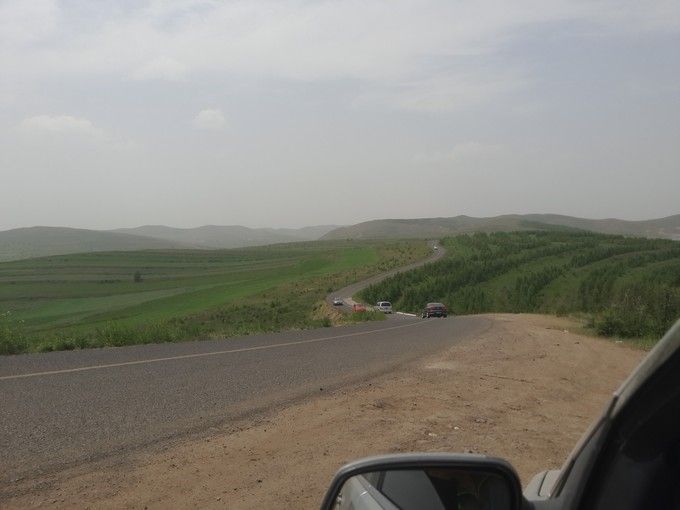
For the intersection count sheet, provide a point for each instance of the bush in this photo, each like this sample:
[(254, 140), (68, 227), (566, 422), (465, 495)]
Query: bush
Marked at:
[(12, 337), (640, 310), (116, 335), (563, 272)]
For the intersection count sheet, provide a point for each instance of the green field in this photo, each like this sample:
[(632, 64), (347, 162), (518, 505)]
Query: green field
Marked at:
[(84, 300), (625, 286)]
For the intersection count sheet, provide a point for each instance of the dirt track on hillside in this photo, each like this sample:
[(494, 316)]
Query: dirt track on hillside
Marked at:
[(526, 391)]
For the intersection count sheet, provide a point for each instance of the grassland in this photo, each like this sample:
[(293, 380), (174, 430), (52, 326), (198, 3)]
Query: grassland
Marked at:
[(624, 286), (94, 299)]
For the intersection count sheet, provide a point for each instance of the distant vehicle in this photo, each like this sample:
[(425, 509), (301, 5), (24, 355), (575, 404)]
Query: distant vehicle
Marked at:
[(435, 247), (435, 310), (358, 308), (384, 306), (337, 301)]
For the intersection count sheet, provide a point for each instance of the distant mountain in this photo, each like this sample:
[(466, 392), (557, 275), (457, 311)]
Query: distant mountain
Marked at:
[(306, 233), (668, 227), (426, 228), (22, 243), (232, 236)]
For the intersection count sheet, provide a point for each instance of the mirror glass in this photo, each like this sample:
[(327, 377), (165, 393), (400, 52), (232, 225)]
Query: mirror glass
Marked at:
[(425, 489)]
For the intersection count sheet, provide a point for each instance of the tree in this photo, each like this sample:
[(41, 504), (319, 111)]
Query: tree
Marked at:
[(137, 277)]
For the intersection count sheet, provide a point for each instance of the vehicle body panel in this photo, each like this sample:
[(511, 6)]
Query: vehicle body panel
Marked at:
[(630, 457)]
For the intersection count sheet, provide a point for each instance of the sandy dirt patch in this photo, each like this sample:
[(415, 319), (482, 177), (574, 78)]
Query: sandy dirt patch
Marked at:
[(525, 390)]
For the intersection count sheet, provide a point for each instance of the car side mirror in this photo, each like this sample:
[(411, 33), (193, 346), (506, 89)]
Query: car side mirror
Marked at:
[(425, 481)]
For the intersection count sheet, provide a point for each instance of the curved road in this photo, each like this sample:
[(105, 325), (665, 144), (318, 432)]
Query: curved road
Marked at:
[(63, 408), (347, 293)]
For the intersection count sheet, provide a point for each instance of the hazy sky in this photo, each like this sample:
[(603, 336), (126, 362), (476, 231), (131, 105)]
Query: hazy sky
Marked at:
[(291, 113)]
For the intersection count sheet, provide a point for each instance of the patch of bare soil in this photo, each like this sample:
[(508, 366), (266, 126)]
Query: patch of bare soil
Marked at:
[(525, 390)]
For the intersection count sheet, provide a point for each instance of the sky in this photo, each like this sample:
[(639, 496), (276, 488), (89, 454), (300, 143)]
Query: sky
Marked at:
[(291, 113)]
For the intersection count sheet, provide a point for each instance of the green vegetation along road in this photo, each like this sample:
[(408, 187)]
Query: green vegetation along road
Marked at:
[(122, 298), (628, 287)]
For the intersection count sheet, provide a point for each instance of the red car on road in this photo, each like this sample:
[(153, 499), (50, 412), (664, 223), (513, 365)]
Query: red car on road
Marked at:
[(435, 310)]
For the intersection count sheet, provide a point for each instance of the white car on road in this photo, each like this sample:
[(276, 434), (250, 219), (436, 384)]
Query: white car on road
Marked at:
[(384, 306)]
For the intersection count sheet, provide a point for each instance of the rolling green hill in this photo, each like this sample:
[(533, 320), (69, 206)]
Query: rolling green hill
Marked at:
[(627, 286), (428, 228), (119, 298), (24, 243), (230, 236)]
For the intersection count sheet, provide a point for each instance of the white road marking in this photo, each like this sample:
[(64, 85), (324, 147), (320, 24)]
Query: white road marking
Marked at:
[(203, 354), (407, 314)]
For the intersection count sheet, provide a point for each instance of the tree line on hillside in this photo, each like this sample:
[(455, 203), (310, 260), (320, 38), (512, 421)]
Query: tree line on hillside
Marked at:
[(630, 287)]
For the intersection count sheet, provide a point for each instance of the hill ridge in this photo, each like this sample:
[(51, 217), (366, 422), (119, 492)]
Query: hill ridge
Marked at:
[(667, 227), (40, 241)]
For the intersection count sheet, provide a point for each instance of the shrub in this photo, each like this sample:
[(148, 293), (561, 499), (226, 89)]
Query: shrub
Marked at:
[(561, 261), (640, 310), (12, 337)]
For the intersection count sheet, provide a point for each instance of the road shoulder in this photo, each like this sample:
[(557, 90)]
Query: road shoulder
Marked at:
[(525, 390)]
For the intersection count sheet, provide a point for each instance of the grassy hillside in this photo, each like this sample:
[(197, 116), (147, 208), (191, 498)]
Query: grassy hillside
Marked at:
[(427, 228), (22, 243), (628, 286), (232, 236), (112, 298)]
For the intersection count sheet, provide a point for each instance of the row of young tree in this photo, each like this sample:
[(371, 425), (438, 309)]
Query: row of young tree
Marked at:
[(629, 286)]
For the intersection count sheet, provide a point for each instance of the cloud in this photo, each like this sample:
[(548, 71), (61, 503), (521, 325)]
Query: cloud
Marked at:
[(468, 150), (60, 124), (404, 54), (298, 39), (162, 68), (445, 92), (24, 22), (462, 153), (209, 119)]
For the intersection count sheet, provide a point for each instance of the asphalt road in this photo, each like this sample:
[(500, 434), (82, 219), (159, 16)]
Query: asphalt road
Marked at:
[(346, 293), (63, 408)]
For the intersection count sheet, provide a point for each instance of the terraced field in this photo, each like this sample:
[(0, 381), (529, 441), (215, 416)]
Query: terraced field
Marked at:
[(119, 298), (625, 286)]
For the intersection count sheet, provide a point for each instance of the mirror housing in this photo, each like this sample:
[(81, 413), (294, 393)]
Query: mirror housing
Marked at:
[(471, 463)]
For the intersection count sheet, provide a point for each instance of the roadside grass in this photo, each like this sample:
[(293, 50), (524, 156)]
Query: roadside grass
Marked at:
[(626, 287), (584, 325), (12, 336), (328, 315), (92, 300), (368, 315)]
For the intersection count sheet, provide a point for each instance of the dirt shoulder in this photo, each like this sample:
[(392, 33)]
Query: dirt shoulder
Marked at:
[(525, 390)]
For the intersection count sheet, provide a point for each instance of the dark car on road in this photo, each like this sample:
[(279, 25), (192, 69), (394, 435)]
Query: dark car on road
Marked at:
[(435, 310)]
